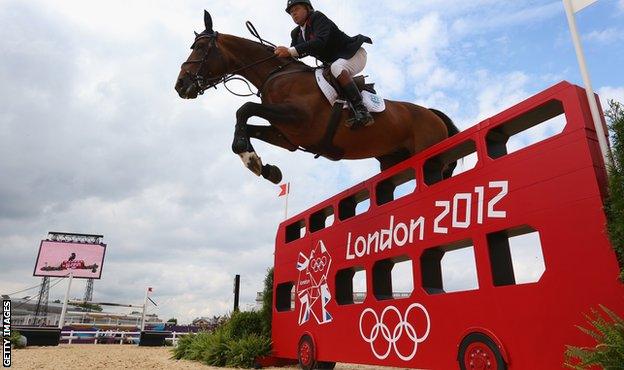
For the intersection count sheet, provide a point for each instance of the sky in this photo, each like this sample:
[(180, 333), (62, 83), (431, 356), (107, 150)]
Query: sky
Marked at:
[(94, 139)]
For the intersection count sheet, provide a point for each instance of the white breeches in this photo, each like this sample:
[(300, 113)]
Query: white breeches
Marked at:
[(354, 65)]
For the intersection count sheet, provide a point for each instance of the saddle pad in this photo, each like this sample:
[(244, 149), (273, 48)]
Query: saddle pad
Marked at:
[(374, 103)]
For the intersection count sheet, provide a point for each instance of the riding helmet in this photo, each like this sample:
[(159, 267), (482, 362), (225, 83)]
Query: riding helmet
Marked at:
[(291, 3)]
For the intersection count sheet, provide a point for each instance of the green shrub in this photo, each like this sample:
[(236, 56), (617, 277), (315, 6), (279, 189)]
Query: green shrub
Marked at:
[(242, 324), (214, 351), (197, 345), (179, 351), (615, 203), (267, 303), (15, 339), (244, 351), (608, 332)]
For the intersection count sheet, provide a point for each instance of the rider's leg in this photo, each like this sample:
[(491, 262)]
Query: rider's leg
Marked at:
[(343, 70)]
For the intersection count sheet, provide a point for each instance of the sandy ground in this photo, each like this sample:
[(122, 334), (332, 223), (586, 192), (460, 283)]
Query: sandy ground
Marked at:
[(90, 356)]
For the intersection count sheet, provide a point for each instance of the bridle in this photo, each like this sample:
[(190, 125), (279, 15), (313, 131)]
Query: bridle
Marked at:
[(204, 83)]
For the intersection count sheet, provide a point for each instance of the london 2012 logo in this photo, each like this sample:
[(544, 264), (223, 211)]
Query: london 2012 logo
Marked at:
[(312, 288), (393, 330)]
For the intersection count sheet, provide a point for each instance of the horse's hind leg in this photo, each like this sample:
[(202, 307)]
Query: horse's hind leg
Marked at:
[(389, 160)]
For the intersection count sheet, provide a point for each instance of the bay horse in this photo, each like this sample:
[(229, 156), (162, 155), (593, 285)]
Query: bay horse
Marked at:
[(297, 110)]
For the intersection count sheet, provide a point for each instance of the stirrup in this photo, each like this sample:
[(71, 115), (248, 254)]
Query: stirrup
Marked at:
[(364, 121)]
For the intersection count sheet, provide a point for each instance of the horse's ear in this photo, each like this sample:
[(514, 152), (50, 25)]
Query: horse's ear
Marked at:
[(196, 34), (208, 22)]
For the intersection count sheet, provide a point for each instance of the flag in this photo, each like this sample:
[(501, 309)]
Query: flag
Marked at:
[(578, 5), (284, 189), (149, 289)]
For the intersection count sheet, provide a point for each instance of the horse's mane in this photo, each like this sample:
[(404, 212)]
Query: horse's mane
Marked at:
[(269, 49)]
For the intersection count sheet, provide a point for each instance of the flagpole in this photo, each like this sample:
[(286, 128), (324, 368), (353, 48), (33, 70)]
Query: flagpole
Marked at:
[(286, 202), (64, 309), (591, 98), (144, 307)]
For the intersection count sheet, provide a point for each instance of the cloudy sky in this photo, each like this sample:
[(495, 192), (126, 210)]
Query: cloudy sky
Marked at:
[(94, 139)]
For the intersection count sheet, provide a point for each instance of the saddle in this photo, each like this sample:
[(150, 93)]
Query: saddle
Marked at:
[(360, 82)]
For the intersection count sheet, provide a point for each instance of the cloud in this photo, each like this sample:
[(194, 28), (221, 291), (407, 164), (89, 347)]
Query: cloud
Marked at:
[(607, 93), (606, 36), (500, 92), (505, 16)]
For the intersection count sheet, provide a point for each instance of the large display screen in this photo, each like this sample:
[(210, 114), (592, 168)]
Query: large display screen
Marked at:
[(60, 259)]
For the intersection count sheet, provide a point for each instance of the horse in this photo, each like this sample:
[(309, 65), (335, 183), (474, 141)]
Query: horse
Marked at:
[(296, 109)]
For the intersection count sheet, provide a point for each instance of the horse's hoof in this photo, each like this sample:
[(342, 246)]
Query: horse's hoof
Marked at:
[(272, 173)]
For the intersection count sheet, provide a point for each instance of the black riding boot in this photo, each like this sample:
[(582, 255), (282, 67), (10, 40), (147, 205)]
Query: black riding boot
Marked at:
[(361, 115)]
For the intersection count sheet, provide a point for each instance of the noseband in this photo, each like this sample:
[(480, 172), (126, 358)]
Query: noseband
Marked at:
[(202, 82), (206, 82)]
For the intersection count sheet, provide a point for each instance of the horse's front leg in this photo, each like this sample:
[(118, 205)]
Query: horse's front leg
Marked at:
[(242, 145)]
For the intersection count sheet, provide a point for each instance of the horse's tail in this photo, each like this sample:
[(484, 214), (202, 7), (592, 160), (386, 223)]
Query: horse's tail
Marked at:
[(450, 126), (452, 130)]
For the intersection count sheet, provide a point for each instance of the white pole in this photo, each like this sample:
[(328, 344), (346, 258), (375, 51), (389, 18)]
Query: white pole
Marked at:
[(286, 206), (64, 310), (602, 140), (144, 307)]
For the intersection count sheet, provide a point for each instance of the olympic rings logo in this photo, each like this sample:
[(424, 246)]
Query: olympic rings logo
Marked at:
[(318, 264), (392, 337)]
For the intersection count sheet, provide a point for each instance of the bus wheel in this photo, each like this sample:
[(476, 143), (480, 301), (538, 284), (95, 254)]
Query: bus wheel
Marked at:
[(306, 353), (478, 351), (325, 365)]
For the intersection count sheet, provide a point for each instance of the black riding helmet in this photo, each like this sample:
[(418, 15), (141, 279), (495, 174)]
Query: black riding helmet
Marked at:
[(292, 3)]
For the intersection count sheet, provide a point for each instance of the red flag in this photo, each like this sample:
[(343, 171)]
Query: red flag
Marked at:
[(149, 289), (284, 189)]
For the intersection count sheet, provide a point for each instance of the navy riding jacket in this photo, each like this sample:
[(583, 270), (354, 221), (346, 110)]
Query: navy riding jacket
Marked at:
[(324, 40)]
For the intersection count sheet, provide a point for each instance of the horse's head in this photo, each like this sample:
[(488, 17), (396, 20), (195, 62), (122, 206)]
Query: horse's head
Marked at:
[(205, 66)]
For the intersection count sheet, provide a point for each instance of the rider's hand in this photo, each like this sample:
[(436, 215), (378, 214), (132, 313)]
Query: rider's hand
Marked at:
[(282, 52)]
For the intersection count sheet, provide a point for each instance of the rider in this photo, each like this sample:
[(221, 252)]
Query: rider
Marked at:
[(318, 36)]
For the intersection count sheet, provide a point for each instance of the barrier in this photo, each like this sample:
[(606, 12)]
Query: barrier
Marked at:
[(150, 338), (39, 336), (525, 218), (110, 337)]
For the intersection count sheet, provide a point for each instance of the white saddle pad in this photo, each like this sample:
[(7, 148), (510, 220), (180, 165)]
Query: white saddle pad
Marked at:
[(374, 103)]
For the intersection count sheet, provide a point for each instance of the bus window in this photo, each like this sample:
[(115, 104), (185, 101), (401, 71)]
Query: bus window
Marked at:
[(516, 256), (322, 219), (528, 129), (450, 268), (395, 187), (284, 297), (388, 270), (349, 288), (295, 231), (359, 286), (402, 279), (464, 154), (354, 205)]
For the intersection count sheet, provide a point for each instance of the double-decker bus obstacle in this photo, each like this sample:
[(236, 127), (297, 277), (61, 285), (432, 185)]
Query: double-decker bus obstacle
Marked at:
[(526, 221)]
